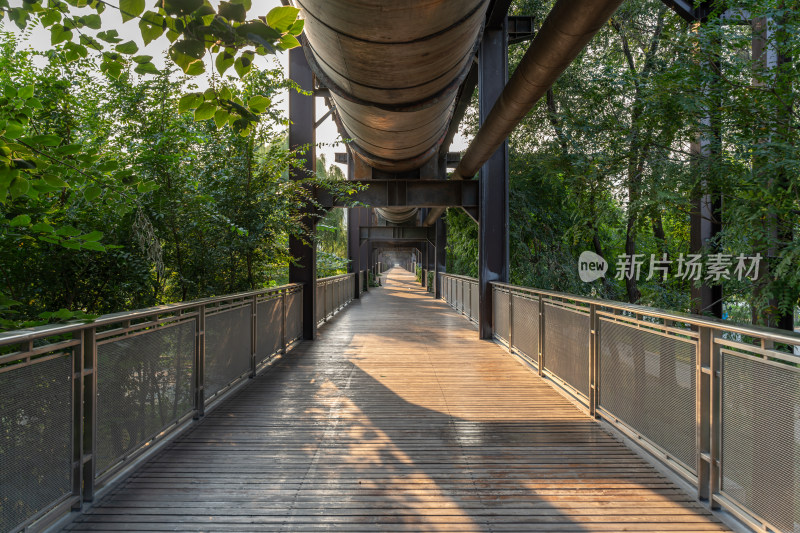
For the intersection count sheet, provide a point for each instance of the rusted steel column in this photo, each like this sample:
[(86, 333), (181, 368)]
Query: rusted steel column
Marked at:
[(493, 226), (302, 132)]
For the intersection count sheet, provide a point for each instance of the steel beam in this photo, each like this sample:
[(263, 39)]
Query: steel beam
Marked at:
[(686, 9), (493, 226), (396, 233), (408, 193), (521, 29), (302, 133)]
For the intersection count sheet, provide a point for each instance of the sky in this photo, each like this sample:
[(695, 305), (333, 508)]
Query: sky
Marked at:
[(326, 132)]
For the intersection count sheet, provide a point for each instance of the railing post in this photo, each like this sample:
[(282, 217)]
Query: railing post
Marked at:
[(200, 363), (594, 357), (77, 418), (510, 321), (541, 335), (283, 320), (89, 449), (708, 380), (253, 335)]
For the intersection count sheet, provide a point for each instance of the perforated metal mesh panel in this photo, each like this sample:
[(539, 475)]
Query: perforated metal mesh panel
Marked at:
[(467, 298), (144, 383), (35, 439), (647, 380), (320, 302), (294, 316), (500, 313), (567, 339), (227, 347), (459, 294), (525, 323), (269, 328), (473, 301), (761, 439)]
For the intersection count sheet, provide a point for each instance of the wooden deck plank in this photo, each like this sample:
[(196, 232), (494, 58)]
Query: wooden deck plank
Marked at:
[(397, 419)]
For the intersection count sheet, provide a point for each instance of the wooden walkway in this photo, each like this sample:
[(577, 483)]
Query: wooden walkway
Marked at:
[(397, 419)]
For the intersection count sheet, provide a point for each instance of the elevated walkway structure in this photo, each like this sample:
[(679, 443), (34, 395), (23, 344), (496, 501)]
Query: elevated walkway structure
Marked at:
[(397, 419)]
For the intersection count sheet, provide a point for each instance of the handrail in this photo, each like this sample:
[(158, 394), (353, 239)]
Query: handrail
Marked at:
[(337, 276), (37, 332), (776, 335)]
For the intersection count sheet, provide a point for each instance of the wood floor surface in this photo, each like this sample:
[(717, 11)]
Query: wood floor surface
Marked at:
[(398, 418)]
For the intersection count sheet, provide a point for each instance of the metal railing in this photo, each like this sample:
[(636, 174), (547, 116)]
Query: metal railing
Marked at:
[(334, 293), (461, 293), (716, 402), (80, 402)]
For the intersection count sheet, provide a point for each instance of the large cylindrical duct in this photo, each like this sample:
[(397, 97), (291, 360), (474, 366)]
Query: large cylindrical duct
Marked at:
[(393, 69)]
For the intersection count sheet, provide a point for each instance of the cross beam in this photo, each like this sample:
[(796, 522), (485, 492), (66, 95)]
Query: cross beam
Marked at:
[(397, 233), (408, 193)]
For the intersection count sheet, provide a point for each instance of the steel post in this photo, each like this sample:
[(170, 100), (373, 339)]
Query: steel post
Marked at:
[(493, 226), (441, 256), (353, 244), (302, 134)]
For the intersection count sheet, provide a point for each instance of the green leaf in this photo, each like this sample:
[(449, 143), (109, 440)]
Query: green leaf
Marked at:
[(92, 192), (130, 9), (142, 59), (221, 118), (288, 42), (260, 34), (189, 101), (243, 64), (54, 181), (94, 246), (146, 68), (42, 227), (18, 187), (67, 231), (93, 236), (128, 48), (258, 104), (232, 11), (59, 34), (44, 140), (224, 61), (14, 130), (282, 18), (93, 21), (20, 220), (109, 36), (205, 111), (297, 27), (151, 26), (147, 186), (72, 245), (25, 92)]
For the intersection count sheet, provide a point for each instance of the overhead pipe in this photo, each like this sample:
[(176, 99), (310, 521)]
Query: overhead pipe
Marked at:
[(570, 25)]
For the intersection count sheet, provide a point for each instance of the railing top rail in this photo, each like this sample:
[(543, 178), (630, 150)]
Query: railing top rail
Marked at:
[(458, 276), (772, 334), (38, 332), (331, 278)]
